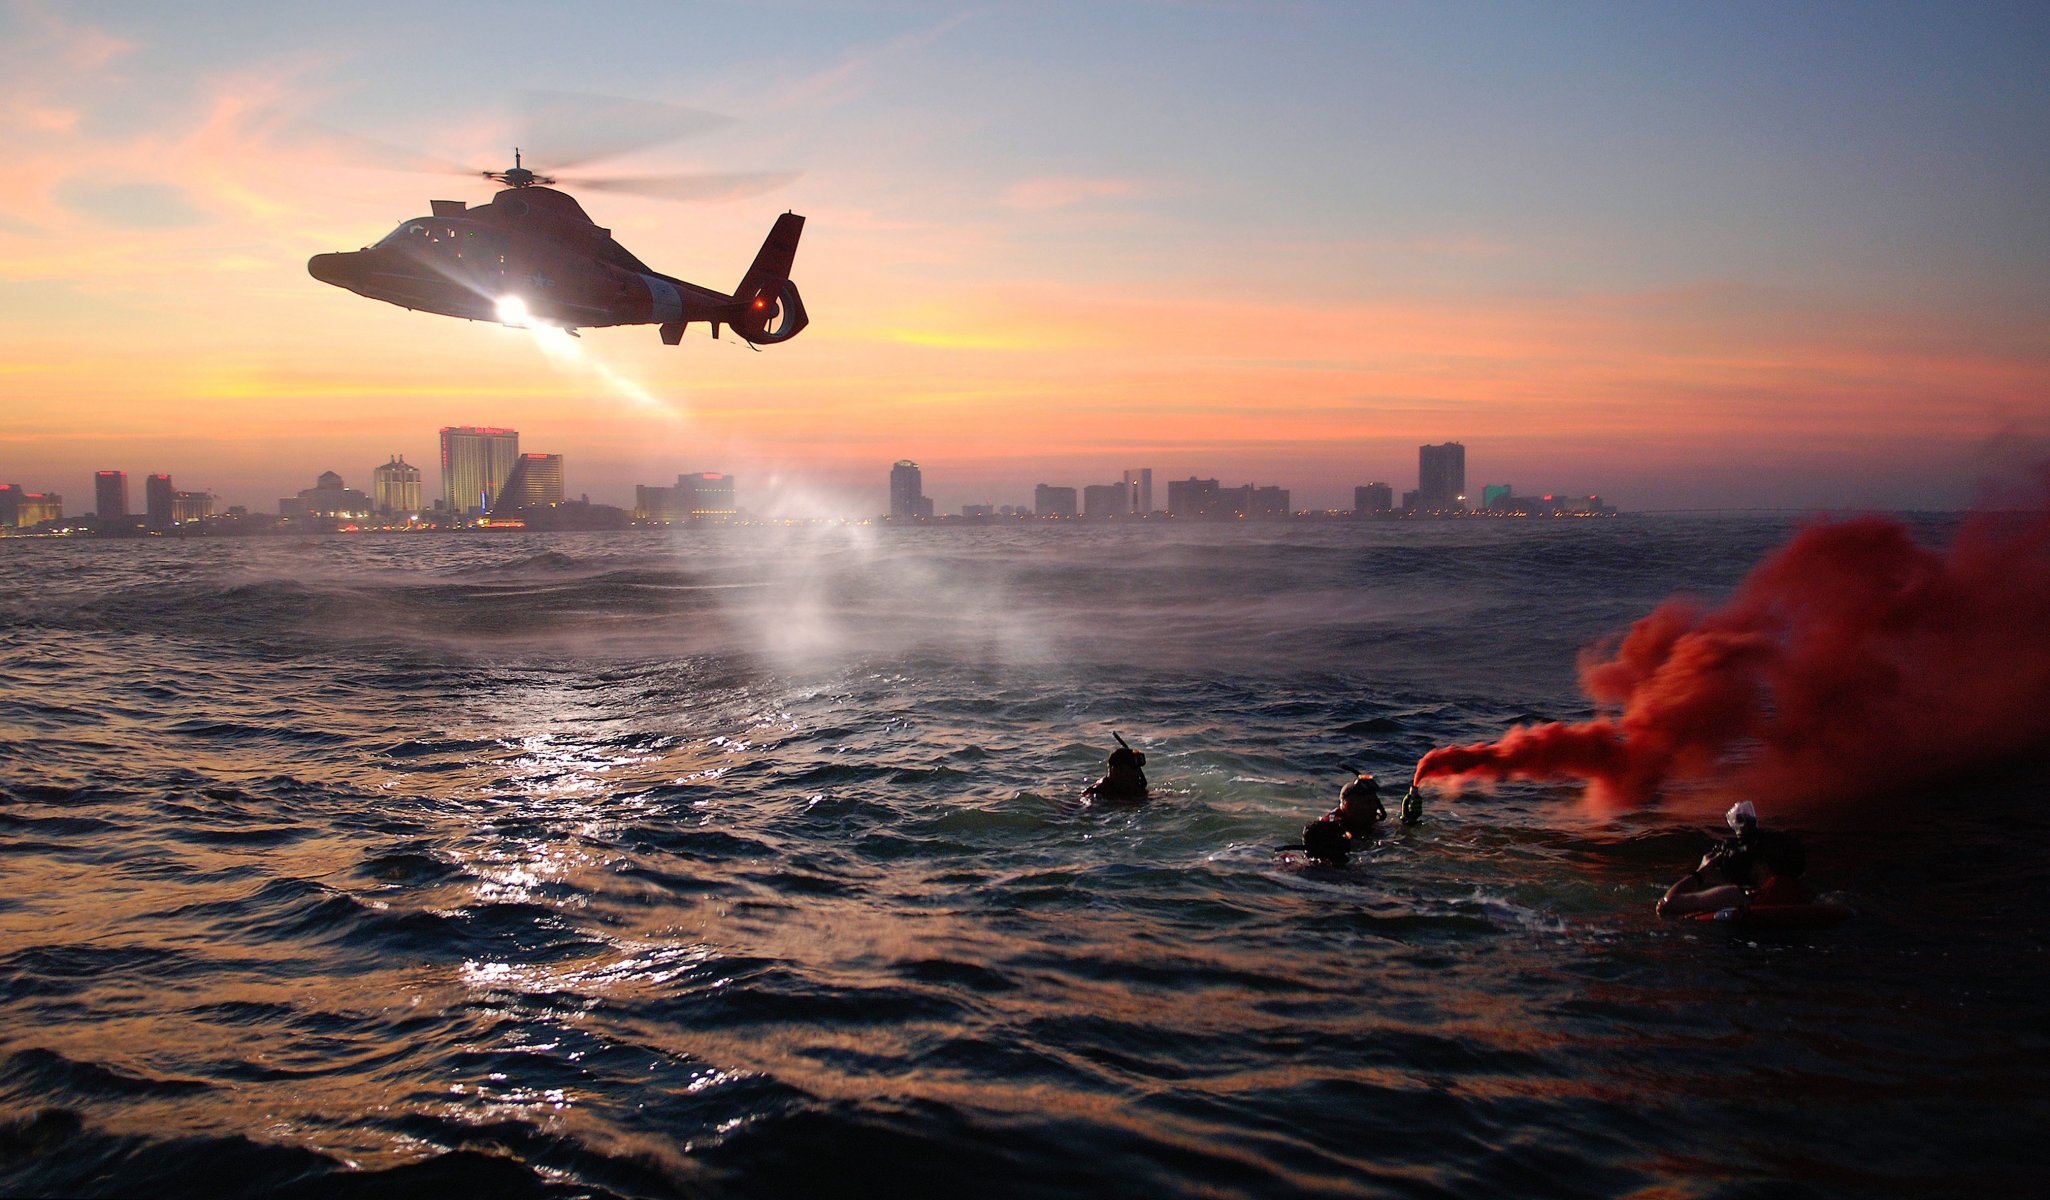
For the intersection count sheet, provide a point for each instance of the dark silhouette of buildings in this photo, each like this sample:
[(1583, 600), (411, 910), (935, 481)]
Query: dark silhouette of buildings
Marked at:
[(1502, 498), (1139, 485), (110, 496), (157, 496), (578, 514), (472, 457), (168, 507), (908, 501), (1101, 501), (653, 502), (704, 497), (1051, 501), (1129, 497), (1263, 503), (1441, 478), (1191, 497), (1202, 498)]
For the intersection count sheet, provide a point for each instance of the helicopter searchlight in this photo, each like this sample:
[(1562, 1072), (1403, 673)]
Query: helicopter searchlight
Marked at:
[(512, 311)]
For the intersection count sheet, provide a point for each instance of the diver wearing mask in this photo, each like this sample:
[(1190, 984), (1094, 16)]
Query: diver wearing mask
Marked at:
[(1330, 839), (1125, 781), (1740, 861)]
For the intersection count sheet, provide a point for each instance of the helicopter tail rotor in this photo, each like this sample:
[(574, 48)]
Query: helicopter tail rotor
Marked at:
[(772, 311)]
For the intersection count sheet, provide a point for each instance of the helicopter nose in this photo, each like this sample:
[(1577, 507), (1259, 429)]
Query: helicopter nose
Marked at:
[(331, 268)]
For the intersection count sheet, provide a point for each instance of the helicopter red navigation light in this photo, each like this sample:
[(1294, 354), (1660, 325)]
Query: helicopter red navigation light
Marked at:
[(532, 256)]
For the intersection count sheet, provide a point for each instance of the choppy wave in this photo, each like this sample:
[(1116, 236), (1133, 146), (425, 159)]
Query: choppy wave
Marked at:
[(748, 863)]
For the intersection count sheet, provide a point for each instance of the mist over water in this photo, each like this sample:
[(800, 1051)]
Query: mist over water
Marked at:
[(747, 862)]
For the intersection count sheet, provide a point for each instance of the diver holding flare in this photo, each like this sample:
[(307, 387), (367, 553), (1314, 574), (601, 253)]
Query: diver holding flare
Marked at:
[(1330, 839)]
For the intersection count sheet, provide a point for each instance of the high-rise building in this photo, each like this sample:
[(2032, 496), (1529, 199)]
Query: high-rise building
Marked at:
[(158, 498), (395, 488), (1372, 499), (708, 496), (907, 492), (1139, 486), (1496, 495), (535, 482), (1192, 497), (475, 463), (1100, 500), (1441, 477), (1266, 502), (1051, 501), (110, 495), (168, 507)]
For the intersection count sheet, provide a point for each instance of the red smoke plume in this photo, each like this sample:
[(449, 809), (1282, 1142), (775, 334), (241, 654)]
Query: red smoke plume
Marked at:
[(1853, 661)]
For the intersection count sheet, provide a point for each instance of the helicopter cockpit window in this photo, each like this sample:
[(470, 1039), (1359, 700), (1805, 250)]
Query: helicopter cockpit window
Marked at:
[(410, 233), (433, 236)]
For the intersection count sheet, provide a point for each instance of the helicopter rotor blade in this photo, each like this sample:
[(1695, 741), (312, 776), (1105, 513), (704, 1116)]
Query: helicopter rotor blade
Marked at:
[(567, 129), (359, 151), (559, 131), (709, 186)]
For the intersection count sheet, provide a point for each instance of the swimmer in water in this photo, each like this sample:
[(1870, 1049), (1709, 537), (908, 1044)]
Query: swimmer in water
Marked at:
[(1757, 866), (1125, 782), (1331, 838)]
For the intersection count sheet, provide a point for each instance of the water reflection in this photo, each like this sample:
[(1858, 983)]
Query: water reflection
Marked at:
[(642, 918)]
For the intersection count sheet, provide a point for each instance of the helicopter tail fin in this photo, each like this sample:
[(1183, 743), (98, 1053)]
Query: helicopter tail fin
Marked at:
[(773, 311), (772, 262)]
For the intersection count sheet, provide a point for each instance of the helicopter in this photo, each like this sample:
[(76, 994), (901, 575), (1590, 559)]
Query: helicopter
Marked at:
[(532, 256)]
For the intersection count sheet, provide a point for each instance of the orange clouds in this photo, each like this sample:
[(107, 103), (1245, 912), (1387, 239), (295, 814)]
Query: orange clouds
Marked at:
[(1027, 307)]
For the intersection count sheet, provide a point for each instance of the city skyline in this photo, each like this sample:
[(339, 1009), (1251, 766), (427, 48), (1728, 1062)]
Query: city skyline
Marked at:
[(959, 482), (1787, 252), (486, 461)]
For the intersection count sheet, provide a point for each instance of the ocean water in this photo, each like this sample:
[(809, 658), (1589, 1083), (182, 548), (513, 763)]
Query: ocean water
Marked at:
[(750, 862)]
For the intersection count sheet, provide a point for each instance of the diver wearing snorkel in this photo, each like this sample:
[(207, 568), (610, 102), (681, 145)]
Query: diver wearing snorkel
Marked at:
[(1125, 782)]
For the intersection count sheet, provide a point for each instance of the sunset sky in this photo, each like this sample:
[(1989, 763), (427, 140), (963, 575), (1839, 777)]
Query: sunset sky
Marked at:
[(1682, 255)]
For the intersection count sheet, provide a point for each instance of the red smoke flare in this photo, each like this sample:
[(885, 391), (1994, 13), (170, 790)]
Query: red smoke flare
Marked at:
[(1851, 662)]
